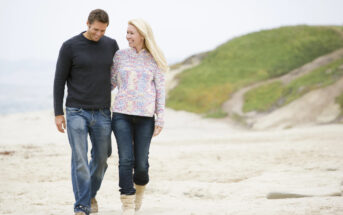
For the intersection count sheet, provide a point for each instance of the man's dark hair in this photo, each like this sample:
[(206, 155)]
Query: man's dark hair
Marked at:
[(98, 15)]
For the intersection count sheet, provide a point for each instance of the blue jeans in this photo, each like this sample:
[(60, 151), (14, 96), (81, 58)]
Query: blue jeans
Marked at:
[(133, 135), (87, 177)]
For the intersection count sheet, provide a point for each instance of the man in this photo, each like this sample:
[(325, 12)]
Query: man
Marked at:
[(84, 62)]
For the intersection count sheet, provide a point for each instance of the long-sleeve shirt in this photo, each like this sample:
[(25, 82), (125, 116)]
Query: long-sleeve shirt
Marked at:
[(141, 85), (86, 67)]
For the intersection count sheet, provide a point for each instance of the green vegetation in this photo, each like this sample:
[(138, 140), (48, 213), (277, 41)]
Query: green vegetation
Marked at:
[(249, 59), (263, 98), (217, 113), (339, 100), (320, 77), (275, 94)]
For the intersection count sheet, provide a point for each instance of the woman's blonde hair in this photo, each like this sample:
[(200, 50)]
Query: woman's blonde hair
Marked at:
[(145, 30)]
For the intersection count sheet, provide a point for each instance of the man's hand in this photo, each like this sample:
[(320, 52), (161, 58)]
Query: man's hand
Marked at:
[(60, 123), (157, 130)]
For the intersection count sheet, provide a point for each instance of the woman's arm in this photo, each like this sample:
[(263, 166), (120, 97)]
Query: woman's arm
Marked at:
[(114, 71), (159, 79)]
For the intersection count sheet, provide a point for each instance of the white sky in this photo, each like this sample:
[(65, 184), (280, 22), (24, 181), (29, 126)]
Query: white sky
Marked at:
[(35, 29)]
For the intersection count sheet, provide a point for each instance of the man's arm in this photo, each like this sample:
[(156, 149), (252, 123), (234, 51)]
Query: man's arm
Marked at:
[(63, 67), (116, 47)]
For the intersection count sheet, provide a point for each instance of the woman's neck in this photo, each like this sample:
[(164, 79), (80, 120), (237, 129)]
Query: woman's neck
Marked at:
[(139, 48)]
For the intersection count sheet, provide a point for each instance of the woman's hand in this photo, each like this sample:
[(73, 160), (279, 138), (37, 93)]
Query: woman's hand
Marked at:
[(157, 130)]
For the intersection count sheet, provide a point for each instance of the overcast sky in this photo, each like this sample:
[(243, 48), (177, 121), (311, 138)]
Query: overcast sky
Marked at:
[(35, 29)]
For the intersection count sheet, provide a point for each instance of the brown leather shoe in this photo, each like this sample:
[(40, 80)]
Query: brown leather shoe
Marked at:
[(94, 206)]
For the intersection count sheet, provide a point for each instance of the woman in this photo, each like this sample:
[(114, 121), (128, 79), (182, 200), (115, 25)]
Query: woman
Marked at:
[(138, 73)]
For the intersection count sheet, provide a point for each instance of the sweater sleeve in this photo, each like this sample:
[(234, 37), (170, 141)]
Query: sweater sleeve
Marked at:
[(63, 67), (114, 70), (159, 80)]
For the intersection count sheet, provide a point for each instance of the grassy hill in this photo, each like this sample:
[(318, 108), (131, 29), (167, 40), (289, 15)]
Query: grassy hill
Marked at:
[(248, 59), (276, 94), (339, 100)]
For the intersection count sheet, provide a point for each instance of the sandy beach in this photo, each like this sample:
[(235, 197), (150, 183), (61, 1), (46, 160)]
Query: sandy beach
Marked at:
[(197, 166)]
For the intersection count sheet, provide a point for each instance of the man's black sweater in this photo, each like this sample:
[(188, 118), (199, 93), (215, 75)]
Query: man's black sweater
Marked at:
[(85, 65)]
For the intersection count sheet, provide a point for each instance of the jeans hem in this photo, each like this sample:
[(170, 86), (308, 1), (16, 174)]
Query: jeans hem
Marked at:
[(82, 208)]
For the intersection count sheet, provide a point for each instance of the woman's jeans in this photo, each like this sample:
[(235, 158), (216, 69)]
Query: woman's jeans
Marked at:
[(133, 135), (87, 177)]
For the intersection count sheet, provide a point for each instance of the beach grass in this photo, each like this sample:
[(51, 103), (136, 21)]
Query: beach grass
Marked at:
[(275, 94), (339, 101), (249, 59)]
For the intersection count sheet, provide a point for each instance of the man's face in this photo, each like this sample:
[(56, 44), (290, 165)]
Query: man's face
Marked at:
[(96, 30)]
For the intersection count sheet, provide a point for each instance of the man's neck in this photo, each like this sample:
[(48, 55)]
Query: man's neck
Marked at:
[(86, 35)]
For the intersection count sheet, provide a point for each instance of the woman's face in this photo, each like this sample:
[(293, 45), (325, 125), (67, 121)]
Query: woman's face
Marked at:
[(134, 38)]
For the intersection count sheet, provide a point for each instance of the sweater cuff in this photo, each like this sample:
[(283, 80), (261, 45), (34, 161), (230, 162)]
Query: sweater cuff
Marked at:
[(159, 120), (59, 112)]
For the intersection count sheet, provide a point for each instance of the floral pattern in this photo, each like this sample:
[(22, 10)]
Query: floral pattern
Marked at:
[(140, 83)]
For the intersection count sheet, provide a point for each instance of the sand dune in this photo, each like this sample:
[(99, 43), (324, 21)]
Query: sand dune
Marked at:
[(315, 107), (198, 166)]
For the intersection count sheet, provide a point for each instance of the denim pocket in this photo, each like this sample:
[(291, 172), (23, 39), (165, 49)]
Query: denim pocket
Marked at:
[(117, 116), (106, 113), (73, 110)]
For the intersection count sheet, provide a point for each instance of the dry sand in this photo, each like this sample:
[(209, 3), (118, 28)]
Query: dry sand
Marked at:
[(198, 166)]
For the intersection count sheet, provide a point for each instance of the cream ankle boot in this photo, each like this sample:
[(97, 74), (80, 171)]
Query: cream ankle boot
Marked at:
[(139, 196), (128, 204)]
